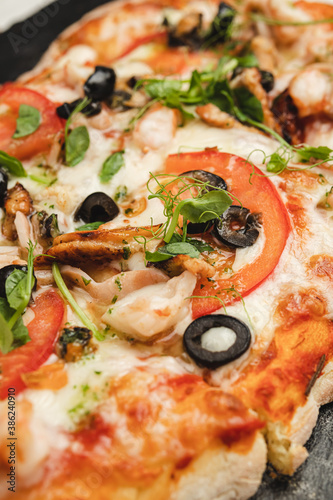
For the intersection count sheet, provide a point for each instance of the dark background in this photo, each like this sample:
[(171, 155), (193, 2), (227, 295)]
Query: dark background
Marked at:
[(20, 49)]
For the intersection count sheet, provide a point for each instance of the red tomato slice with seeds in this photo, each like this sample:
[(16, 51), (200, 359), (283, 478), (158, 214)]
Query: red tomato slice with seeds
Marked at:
[(40, 141), (258, 194), (43, 329)]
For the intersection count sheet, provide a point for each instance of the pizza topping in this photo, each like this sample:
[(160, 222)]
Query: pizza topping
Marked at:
[(12, 165), (237, 227), (45, 227), (100, 85), (187, 32), (221, 25), (73, 343), (3, 186), (17, 200), (27, 122), (215, 340), (266, 80), (97, 207), (91, 109), (119, 100)]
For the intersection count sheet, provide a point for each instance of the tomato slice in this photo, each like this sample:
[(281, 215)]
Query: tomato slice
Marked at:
[(49, 311), (258, 195), (39, 141)]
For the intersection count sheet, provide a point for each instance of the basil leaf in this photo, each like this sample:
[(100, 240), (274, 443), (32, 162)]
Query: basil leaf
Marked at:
[(16, 286), (12, 164), (21, 334), (319, 153), (111, 166), (249, 104), (27, 122), (202, 246), (207, 207), (76, 146), (89, 227), (172, 249)]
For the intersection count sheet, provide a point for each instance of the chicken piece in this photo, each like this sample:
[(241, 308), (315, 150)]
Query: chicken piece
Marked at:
[(17, 200), (100, 245), (307, 101)]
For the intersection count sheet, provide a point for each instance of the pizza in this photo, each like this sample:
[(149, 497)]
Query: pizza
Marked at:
[(166, 256)]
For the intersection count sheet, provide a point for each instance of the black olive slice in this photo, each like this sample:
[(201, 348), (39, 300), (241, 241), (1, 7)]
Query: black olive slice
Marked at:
[(65, 110), (266, 80), (216, 182), (5, 272), (3, 186), (100, 84), (237, 227), (97, 207), (215, 359)]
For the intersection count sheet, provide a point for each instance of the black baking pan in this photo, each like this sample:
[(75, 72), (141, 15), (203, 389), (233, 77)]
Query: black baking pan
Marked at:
[(21, 48)]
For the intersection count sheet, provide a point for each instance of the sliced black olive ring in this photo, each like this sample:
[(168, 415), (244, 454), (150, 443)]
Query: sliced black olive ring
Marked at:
[(237, 227), (93, 108), (97, 207), (209, 359), (215, 182)]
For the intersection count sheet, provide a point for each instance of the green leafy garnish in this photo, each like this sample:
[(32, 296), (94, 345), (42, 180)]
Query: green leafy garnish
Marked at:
[(208, 87), (91, 226), (77, 141), (111, 166), (47, 181), (121, 193), (12, 164), (18, 286), (72, 302), (27, 122)]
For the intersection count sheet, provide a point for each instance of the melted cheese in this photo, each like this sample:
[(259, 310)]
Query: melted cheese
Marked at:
[(218, 339)]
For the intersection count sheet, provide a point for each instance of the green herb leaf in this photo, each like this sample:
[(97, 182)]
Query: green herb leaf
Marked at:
[(319, 153), (15, 286), (207, 207), (72, 302), (172, 249), (90, 227), (111, 166), (11, 337), (12, 164), (76, 146), (248, 61), (249, 104), (202, 246), (162, 89), (276, 163), (27, 122), (121, 193)]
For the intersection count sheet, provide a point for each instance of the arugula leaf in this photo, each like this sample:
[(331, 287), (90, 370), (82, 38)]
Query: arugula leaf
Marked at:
[(248, 103), (6, 334), (319, 153), (162, 89), (76, 146), (91, 226), (248, 61), (207, 207), (111, 166), (27, 122), (12, 164)]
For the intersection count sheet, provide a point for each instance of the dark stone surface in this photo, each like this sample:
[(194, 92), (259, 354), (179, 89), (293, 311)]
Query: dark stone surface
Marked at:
[(21, 47), (314, 479), (24, 43)]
